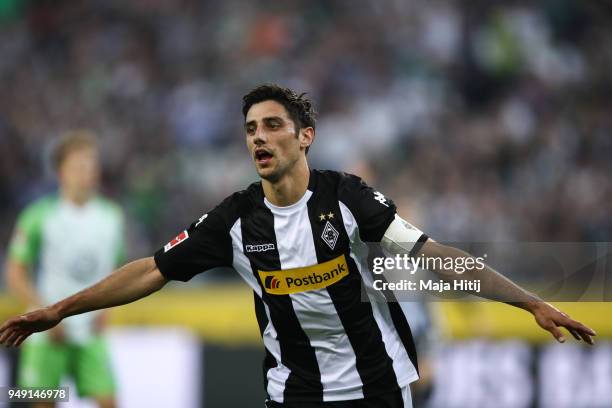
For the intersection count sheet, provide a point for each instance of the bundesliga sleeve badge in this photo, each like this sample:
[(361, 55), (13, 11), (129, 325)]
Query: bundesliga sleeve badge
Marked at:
[(177, 240)]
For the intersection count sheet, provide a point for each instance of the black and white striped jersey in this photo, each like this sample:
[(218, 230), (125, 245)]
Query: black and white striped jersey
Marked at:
[(307, 266)]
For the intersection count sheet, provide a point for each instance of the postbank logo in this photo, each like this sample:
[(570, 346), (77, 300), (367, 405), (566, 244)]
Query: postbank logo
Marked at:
[(271, 282), (296, 280)]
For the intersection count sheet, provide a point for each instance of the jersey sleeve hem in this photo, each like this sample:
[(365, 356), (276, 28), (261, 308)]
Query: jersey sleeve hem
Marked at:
[(165, 269), (377, 237)]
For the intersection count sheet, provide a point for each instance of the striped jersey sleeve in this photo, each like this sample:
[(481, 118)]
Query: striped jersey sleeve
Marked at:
[(204, 245), (372, 210)]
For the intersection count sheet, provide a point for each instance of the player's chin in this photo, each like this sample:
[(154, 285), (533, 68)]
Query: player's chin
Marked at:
[(267, 172)]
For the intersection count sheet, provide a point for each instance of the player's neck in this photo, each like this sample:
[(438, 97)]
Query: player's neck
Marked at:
[(78, 198), (290, 187)]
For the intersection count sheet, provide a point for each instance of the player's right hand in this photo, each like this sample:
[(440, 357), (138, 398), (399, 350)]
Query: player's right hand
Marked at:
[(14, 331)]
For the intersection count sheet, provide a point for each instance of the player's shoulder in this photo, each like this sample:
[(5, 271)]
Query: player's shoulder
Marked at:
[(328, 176), (247, 197), (40, 207), (353, 191), (339, 180), (240, 202)]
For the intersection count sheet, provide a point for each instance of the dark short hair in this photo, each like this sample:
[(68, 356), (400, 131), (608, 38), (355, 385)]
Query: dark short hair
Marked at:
[(69, 142), (299, 107)]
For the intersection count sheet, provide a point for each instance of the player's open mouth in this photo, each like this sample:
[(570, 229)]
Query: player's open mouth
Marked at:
[(262, 156)]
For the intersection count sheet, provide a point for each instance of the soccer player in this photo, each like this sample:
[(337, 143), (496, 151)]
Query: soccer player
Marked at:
[(297, 238), (75, 238)]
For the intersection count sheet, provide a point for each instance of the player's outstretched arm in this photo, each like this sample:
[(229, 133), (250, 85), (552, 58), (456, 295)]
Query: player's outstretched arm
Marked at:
[(400, 238), (129, 283), (495, 286)]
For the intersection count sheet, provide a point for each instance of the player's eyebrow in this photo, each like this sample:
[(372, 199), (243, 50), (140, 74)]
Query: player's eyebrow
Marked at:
[(274, 118), (265, 119)]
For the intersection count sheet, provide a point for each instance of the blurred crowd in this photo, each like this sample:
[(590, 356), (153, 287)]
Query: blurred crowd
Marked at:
[(483, 120)]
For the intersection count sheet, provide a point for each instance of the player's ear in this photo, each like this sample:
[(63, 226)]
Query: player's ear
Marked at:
[(307, 136)]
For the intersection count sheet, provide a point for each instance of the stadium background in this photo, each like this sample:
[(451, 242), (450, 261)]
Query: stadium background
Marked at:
[(483, 120)]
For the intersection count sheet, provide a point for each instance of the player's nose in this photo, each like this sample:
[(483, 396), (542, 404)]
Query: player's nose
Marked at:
[(260, 137)]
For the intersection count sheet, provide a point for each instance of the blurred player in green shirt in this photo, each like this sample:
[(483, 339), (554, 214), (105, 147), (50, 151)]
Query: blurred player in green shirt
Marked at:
[(72, 239)]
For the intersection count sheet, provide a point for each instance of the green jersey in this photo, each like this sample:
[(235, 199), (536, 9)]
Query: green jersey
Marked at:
[(71, 247)]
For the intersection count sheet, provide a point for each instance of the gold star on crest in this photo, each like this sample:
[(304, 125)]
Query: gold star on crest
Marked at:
[(330, 215), (322, 217)]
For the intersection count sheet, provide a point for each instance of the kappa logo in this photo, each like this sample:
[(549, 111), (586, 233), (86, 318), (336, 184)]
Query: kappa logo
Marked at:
[(177, 240), (296, 280), (202, 218), (378, 196), (271, 282), (259, 247)]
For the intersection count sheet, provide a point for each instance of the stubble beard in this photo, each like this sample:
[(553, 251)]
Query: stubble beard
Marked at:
[(277, 173)]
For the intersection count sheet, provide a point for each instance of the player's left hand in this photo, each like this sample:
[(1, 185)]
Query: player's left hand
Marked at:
[(550, 318)]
